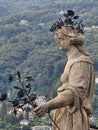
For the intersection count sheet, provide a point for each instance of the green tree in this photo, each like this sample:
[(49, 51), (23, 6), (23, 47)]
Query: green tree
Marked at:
[(2, 125), (12, 119), (26, 115), (20, 117), (3, 111), (26, 128)]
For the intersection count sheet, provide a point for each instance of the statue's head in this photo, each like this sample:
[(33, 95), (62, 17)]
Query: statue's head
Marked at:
[(69, 29)]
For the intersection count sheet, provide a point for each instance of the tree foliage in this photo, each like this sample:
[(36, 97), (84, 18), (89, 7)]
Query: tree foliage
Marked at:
[(26, 45)]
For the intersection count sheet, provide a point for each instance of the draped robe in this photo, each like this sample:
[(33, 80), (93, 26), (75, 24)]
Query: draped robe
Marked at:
[(79, 78)]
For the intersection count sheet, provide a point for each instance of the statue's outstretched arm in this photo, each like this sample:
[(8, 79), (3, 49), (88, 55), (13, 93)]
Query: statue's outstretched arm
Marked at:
[(63, 99)]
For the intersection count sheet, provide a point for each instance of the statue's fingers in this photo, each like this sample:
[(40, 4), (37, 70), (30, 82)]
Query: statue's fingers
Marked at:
[(38, 112), (41, 114), (36, 109)]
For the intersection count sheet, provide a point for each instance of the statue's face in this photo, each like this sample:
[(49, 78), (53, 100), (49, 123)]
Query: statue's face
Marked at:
[(63, 41)]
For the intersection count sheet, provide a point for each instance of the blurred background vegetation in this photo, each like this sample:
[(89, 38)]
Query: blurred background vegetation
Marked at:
[(27, 45)]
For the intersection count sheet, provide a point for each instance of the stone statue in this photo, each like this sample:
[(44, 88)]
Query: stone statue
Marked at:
[(73, 103)]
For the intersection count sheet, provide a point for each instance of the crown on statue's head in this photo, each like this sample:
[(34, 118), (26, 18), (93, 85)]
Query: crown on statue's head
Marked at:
[(70, 19)]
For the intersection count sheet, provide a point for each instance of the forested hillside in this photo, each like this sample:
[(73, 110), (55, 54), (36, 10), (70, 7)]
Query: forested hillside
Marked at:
[(27, 45)]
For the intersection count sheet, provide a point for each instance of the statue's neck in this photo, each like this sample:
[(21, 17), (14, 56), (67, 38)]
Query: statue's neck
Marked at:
[(72, 53)]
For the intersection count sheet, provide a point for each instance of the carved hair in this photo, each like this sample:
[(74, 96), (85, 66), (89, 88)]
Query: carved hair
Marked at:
[(77, 39), (73, 35)]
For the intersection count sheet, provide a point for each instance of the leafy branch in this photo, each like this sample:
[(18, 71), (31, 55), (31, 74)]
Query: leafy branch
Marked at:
[(24, 93)]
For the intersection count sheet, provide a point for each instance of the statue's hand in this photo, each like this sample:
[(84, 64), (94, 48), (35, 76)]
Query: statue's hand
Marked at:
[(41, 110)]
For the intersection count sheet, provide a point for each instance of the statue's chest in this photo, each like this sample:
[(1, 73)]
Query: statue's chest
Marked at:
[(65, 75), (64, 79)]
